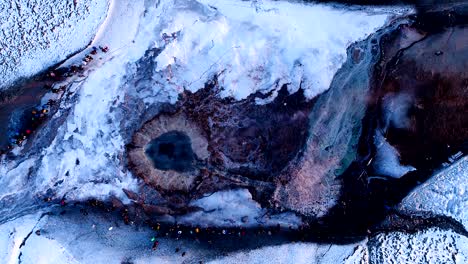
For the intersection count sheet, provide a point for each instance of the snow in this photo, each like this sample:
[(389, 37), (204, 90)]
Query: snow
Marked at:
[(295, 253), (444, 193), (91, 133), (36, 34), (117, 31), (254, 46), (12, 235), (428, 246), (14, 176), (88, 137), (42, 250), (76, 238), (227, 208), (63, 240)]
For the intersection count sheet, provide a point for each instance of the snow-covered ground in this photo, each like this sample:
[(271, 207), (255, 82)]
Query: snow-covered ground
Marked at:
[(93, 238), (259, 45), (96, 238), (445, 193), (429, 246), (36, 34), (300, 253)]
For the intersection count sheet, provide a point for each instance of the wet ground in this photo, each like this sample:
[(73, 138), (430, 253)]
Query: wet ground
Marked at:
[(26, 106), (430, 129), (16, 112)]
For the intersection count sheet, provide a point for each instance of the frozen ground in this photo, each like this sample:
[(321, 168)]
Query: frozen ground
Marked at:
[(99, 238), (36, 34), (300, 253), (72, 238), (429, 246), (445, 193)]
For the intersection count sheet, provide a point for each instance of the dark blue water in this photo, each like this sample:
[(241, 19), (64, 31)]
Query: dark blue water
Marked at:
[(171, 151)]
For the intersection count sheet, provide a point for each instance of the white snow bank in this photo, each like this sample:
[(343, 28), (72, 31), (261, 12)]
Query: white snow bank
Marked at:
[(259, 45), (444, 193), (36, 34), (12, 235), (70, 239), (234, 208), (14, 177), (89, 148), (428, 246), (41, 250)]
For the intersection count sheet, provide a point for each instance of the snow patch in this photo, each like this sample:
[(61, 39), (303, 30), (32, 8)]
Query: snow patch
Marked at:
[(444, 193), (253, 46), (428, 246), (295, 253), (12, 235), (234, 208), (14, 176)]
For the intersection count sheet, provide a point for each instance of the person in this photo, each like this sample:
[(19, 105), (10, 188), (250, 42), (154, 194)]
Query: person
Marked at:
[(155, 245)]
